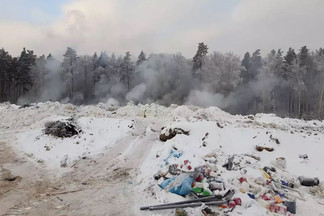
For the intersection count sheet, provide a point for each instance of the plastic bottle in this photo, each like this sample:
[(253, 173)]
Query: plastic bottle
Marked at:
[(244, 187)]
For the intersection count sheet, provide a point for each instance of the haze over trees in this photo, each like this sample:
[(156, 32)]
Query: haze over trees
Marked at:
[(287, 83)]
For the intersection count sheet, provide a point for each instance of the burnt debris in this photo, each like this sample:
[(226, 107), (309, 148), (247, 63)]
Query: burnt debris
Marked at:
[(62, 129)]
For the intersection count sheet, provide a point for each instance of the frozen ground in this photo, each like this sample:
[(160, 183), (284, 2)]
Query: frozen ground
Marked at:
[(112, 162)]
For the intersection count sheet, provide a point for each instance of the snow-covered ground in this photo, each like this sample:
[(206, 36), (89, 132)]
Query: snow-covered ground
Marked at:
[(132, 132), (98, 135)]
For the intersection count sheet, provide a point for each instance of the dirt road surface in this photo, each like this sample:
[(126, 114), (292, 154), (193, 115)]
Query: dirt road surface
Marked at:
[(101, 185)]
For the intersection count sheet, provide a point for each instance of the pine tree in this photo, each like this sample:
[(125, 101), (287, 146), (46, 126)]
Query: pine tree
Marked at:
[(95, 74), (69, 61), (199, 59), (271, 70), (319, 84), (26, 61), (141, 58), (49, 57), (87, 65), (127, 68), (112, 69), (246, 64), (256, 64), (5, 77), (290, 57), (292, 75), (303, 56), (102, 60), (320, 52), (38, 74)]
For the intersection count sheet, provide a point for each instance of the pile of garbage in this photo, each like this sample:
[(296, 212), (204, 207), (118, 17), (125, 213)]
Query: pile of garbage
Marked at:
[(62, 129), (220, 186)]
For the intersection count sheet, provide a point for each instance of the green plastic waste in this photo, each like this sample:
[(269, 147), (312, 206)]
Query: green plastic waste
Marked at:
[(201, 191), (206, 193), (198, 190)]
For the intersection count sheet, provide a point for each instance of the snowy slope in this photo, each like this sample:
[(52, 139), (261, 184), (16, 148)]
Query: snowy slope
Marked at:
[(238, 136), (98, 135), (214, 137)]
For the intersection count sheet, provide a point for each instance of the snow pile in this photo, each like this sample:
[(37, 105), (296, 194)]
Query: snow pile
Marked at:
[(213, 137), (97, 135)]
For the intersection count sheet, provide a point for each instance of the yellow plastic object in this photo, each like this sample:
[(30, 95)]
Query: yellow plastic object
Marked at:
[(265, 174), (278, 199)]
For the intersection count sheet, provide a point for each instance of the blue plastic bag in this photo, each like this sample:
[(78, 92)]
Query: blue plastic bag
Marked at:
[(183, 189)]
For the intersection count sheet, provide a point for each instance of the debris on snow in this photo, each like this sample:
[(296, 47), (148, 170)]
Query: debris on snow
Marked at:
[(169, 133), (308, 182), (261, 148), (275, 139), (6, 175), (62, 129)]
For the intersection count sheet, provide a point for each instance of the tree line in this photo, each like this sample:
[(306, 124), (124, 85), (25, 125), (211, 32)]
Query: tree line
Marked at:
[(288, 84)]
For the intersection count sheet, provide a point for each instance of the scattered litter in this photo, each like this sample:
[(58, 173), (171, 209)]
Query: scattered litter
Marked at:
[(208, 212), (26, 105), (12, 178), (291, 206), (173, 153), (308, 182), (6, 175), (169, 133), (219, 125), (281, 163), (63, 192), (269, 170), (180, 212), (280, 209), (251, 117), (261, 148), (251, 195), (62, 129), (303, 156), (208, 201), (180, 185), (275, 139), (229, 163)]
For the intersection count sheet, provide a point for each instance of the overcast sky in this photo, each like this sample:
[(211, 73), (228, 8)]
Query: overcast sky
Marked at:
[(160, 25)]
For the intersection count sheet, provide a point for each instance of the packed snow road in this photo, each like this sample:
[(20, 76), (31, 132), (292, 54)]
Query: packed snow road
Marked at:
[(108, 168)]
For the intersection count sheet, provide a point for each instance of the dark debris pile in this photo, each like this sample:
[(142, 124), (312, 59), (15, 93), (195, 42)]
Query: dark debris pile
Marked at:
[(62, 129)]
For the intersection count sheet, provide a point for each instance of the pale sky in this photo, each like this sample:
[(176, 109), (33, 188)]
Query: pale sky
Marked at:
[(167, 26)]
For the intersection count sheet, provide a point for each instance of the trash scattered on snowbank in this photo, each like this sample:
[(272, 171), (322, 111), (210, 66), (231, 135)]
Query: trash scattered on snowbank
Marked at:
[(223, 158)]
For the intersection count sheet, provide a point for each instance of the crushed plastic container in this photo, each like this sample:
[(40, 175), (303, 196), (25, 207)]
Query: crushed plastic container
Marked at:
[(244, 187), (281, 162)]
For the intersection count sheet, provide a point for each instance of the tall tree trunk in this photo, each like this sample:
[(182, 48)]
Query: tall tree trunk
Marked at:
[(320, 101), (274, 100), (94, 84), (299, 104), (2, 94), (72, 87), (85, 94), (289, 103)]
